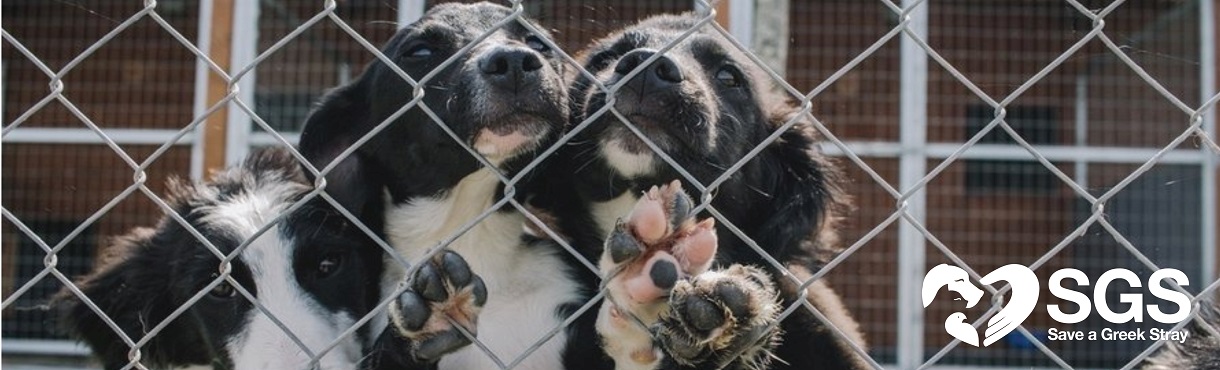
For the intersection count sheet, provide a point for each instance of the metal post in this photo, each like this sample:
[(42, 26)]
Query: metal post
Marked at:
[(201, 103), (741, 20), (1082, 126), (913, 114), (409, 11), (722, 14), (1207, 86), (220, 30), (245, 49), (736, 16), (770, 38)]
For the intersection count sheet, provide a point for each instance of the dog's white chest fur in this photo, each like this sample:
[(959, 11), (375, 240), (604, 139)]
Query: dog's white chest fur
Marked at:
[(525, 286)]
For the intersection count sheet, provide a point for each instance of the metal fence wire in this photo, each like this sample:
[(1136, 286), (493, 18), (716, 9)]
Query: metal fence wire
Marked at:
[(906, 212)]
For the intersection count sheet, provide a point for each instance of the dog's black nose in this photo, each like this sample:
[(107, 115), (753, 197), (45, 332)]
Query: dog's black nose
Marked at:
[(509, 67), (661, 72)]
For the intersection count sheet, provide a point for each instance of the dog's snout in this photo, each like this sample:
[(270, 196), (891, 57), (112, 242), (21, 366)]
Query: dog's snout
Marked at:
[(633, 59), (666, 70), (509, 66), (663, 71)]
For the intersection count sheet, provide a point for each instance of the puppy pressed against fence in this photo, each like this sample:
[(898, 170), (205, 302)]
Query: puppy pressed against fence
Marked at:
[(490, 93), (413, 222), (690, 97), (312, 275), (537, 184)]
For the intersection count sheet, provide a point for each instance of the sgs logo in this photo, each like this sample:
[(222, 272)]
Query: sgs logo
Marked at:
[(1025, 288)]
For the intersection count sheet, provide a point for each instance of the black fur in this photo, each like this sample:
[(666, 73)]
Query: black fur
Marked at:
[(706, 105), (413, 157), (145, 275), (1200, 351)]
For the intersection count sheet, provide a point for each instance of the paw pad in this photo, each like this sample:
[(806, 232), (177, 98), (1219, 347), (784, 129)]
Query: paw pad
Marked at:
[(443, 292), (720, 312), (658, 244)]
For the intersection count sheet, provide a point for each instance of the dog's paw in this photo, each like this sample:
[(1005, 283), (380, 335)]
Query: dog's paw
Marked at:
[(444, 292), (721, 317), (657, 245), (645, 257)]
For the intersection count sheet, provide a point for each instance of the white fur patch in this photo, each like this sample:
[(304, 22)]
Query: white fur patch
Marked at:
[(625, 341), (497, 147), (626, 163), (244, 213), (260, 343), (525, 286)]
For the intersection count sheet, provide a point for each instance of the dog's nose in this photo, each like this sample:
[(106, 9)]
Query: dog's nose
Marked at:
[(660, 73), (510, 66)]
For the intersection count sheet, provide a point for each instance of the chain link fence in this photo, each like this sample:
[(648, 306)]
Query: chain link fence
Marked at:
[(1047, 133)]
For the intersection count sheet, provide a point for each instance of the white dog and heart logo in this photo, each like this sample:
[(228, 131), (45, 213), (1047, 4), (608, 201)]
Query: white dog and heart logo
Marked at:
[(1025, 288), (1024, 297)]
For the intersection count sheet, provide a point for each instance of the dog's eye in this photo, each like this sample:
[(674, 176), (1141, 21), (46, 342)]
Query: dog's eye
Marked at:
[(223, 291), (729, 76), (329, 264), (536, 43), (419, 51)]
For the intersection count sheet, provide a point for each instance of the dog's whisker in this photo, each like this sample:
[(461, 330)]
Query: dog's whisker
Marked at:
[(583, 166)]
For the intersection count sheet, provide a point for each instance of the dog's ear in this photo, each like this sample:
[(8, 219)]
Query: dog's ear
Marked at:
[(339, 120), (807, 194), (131, 287), (273, 165)]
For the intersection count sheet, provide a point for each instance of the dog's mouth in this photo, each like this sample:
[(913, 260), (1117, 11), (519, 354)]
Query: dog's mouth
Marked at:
[(627, 152), (507, 136), (509, 123), (664, 117), (627, 140)]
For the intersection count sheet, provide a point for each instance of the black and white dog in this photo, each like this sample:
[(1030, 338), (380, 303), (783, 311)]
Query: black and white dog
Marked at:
[(505, 98), (1200, 351), (705, 105), (313, 271)]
